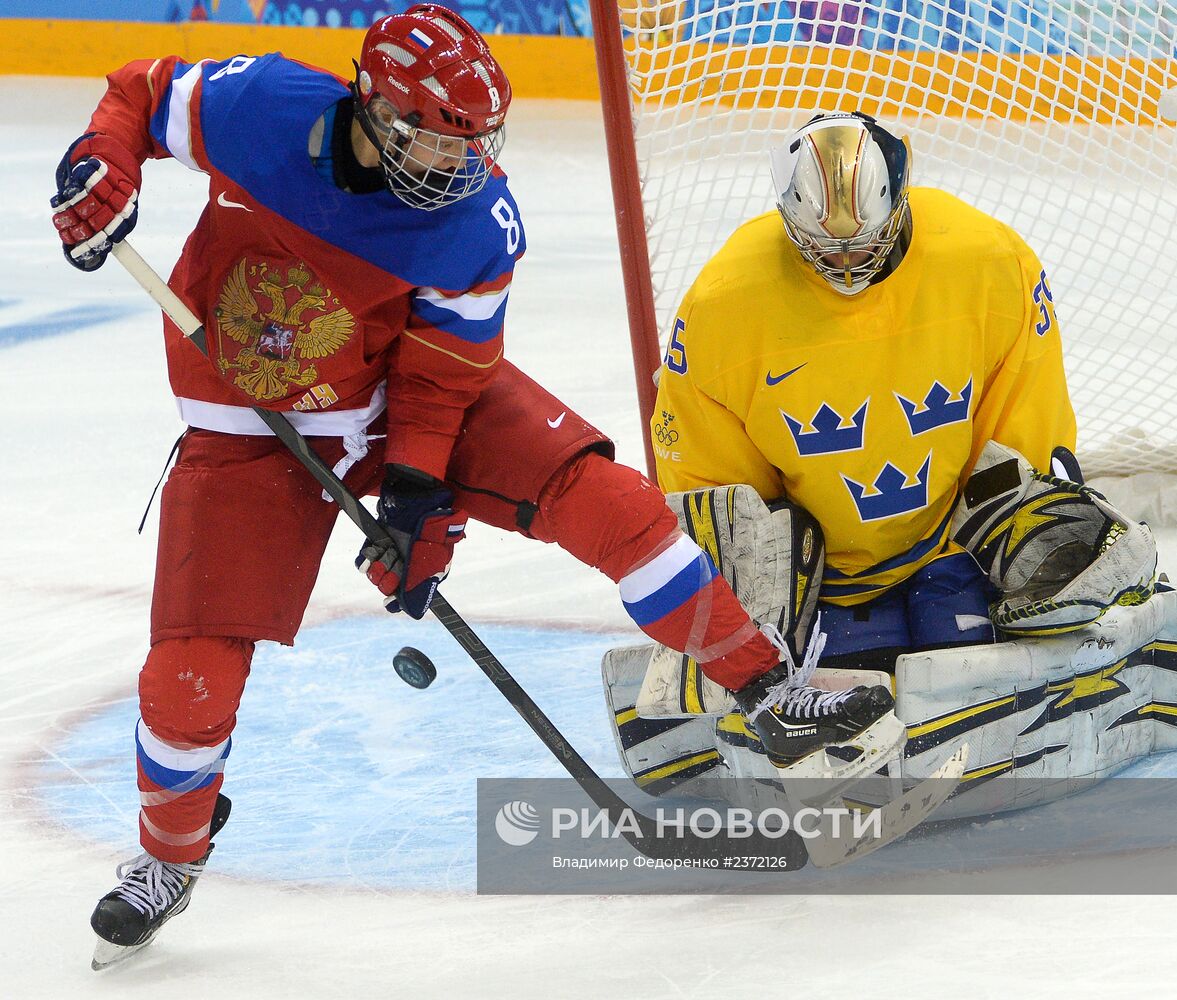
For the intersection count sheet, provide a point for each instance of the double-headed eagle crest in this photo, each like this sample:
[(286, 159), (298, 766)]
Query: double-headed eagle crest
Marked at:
[(282, 315)]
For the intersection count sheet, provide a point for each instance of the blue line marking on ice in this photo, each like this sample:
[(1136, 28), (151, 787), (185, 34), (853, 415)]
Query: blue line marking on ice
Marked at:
[(61, 322), (340, 772)]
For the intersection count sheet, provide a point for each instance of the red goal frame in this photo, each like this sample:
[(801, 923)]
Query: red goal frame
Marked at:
[(630, 214)]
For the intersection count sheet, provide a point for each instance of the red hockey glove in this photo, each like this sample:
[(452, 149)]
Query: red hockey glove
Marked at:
[(424, 528), (97, 200)]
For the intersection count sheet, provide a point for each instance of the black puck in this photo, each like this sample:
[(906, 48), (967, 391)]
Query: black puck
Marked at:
[(414, 668)]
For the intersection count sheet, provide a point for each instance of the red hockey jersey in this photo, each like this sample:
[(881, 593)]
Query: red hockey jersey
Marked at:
[(317, 301)]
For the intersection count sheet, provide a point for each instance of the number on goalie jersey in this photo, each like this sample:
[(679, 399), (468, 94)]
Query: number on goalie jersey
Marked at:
[(856, 361)]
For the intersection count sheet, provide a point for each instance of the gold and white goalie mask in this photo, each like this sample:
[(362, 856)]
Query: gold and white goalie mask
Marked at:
[(841, 188), (772, 556), (1059, 554)]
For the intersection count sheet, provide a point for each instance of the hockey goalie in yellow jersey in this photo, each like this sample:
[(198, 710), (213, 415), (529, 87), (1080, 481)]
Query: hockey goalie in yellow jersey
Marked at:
[(863, 419), (889, 361)]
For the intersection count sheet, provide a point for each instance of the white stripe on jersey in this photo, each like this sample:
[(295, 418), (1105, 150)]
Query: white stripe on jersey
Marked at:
[(229, 419), (659, 571), (469, 305), (179, 133)]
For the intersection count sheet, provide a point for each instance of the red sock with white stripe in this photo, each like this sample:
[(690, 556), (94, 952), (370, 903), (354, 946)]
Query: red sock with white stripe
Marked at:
[(668, 584)]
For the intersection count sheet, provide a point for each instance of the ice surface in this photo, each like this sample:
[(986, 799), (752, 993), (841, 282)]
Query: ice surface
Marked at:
[(346, 869)]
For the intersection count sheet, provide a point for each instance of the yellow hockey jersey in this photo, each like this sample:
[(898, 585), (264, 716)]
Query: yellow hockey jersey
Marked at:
[(867, 410)]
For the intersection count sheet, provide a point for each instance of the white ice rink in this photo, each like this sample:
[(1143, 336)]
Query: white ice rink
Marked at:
[(346, 868)]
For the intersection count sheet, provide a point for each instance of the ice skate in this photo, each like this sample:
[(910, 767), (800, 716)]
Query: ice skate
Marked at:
[(151, 892), (795, 722), (793, 719)]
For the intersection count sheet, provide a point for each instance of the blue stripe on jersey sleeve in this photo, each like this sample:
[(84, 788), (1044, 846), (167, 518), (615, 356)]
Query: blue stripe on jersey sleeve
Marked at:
[(473, 331), (675, 592)]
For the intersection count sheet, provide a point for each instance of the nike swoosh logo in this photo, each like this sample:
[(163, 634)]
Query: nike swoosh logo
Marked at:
[(226, 203), (771, 379), (558, 421)]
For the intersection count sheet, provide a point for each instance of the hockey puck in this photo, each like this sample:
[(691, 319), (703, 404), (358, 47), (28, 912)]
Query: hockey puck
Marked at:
[(414, 668)]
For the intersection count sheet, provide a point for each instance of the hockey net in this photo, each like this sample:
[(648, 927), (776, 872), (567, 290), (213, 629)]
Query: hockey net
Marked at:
[(1052, 116)]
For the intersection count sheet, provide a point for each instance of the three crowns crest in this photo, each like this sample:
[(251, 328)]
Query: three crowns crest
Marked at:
[(938, 410), (892, 496), (828, 434)]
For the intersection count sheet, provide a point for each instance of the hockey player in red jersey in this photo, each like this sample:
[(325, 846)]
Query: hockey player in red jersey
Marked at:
[(352, 269)]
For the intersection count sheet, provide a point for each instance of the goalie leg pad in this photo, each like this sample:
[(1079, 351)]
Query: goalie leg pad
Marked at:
[(1059, 553), (660, 755), (1043, 716)]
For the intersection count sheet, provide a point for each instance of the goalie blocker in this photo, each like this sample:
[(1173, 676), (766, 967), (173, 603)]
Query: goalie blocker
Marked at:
[(773, 558)]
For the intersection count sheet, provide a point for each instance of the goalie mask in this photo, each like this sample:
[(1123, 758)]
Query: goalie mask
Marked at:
[(841, 188), (431, 98)]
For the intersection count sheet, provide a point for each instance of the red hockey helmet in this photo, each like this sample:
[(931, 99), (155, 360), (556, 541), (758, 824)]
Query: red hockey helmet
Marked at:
[(432, 99)]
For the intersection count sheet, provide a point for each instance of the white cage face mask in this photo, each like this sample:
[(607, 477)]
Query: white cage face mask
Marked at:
[(841, 187), (427, 169)]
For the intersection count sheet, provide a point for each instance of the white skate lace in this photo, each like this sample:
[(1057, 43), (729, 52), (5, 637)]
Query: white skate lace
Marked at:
[(793, 693), (151, 885), (808, 702)]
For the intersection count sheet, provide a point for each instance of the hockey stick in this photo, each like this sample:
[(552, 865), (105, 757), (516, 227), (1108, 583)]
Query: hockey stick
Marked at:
[(648, 838)]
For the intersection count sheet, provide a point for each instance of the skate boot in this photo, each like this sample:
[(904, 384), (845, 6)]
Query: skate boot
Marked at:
[(151, 892), (793, 719)]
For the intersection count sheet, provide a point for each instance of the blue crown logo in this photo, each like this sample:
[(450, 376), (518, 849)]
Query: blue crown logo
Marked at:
[(892, 496), (828, 434), (937, 411)]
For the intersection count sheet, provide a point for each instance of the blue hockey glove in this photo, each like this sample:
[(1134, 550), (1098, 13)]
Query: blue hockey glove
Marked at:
[(97, 200), (419, 516)]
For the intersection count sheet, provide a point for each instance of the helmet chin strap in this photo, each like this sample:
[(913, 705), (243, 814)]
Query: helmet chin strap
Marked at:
[(360, 113)]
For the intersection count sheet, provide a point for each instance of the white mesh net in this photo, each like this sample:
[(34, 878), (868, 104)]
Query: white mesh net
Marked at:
[(1043, 114)]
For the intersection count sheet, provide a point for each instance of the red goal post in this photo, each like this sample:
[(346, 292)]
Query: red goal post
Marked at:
[(1054, 115)]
